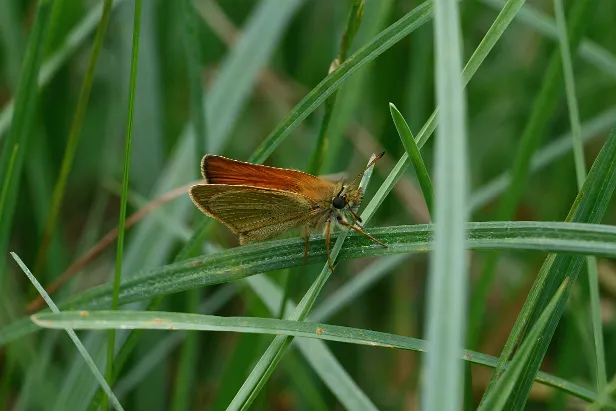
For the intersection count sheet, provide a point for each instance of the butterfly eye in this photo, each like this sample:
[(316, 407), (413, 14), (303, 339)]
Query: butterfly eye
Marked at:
[(339, 202)]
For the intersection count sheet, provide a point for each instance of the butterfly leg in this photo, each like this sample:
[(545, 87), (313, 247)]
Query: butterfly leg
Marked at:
[(356, 218), (307, 237), (327, 232), (359, 230)]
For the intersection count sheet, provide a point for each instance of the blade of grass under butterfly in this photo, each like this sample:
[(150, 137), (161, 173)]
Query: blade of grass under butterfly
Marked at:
[(498, 398), (230, 265), (589, 206), (580, 172), (82, 350)]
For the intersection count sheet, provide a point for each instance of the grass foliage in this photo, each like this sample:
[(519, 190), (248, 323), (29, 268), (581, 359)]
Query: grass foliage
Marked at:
[(496, 290)]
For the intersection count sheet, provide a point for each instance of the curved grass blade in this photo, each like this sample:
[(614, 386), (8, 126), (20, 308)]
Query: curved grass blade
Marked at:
[(589, 206), (413, 152), (387, 38), (544, 105), (580, 171), (82, 350), (588, 50), (242, 262), (354, 19), (497, 400), (102, 320), (73, 138)]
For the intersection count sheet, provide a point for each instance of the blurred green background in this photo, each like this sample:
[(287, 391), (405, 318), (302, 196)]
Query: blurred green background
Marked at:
[(248, 87)]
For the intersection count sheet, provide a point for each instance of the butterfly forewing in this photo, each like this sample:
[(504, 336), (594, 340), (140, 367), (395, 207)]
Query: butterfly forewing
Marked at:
[(252, 212), (222, 170)]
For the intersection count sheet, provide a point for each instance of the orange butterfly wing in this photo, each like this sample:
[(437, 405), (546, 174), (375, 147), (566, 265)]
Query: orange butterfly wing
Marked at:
[(222, 170), (253, 213)]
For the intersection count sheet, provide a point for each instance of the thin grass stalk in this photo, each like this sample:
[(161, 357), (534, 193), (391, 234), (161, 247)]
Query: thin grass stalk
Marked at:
[(186, 374), (127, 151), (580, 172), (73, 139), (82, 350), (543, 108), (355, 17)]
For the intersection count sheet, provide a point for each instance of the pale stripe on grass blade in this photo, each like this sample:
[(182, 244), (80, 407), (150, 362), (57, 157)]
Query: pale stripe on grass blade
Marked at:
[(413, 152), (447, 282), (82, 350), (580, 172), (589, 206), (498, 398)]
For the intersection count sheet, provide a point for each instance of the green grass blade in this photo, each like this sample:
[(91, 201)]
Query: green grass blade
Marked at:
[(588, 50), (82, 350), (245, 261), (498, 398), (73, 139), (356, 286), (589, 206), (356, 15), (127, 154), (447, 284), (561, 146), (52, 64), (543, 109), (186, 374), (386, 39), (11, 159), (240, 69), (580, 171), (103, 320), (413, 152)]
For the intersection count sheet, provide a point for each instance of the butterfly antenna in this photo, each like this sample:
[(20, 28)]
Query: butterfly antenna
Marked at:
[(369, 165)]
